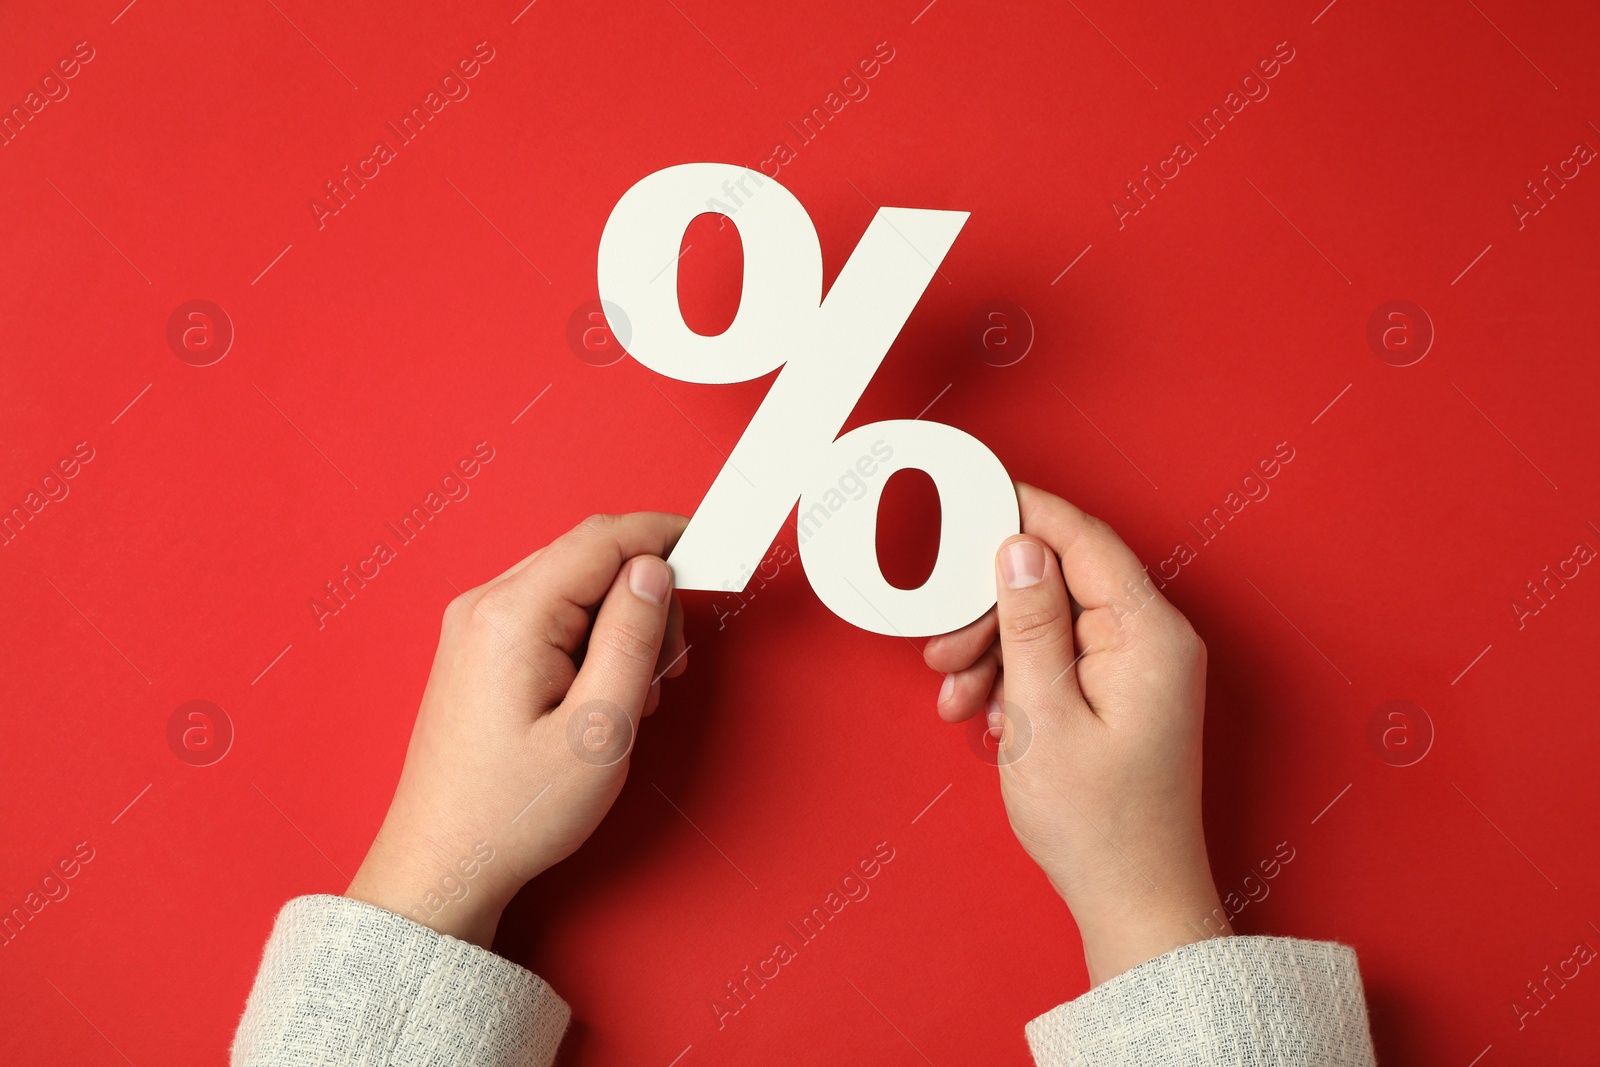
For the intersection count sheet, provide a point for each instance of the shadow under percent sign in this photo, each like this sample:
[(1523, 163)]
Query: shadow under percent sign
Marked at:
[(829, 350)]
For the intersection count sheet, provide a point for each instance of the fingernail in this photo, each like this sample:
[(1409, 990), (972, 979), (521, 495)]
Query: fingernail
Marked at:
[(649, 578), (947, 688), (1022, 564)]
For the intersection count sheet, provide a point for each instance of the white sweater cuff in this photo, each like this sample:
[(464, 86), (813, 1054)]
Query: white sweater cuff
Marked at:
[(1249, 1001), (346, 984)]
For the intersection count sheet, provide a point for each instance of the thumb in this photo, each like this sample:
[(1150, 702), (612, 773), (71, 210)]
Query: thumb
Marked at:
[(620, 663), (1035, 618)]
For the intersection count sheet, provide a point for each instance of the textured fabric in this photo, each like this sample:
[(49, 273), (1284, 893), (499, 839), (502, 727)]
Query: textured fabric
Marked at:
[(347, 984), (1246, 1001)]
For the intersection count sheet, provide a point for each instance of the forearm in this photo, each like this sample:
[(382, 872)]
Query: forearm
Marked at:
[(1242, 1000), (346, 984)]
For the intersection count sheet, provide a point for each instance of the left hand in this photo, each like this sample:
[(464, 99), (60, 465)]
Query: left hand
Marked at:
[(521, 744)]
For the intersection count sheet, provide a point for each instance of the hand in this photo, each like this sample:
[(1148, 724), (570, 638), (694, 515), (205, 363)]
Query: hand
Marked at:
[(1097, 700), (522, 741)]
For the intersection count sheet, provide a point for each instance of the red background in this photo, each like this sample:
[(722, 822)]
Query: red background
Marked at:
[(1224, 318)]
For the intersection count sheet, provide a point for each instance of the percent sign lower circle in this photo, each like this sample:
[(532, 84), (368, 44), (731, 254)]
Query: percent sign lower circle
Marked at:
[(829, 350)]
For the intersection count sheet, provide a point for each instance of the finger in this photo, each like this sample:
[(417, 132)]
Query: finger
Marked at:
[(1099, 629), (960, 649), (1098, 567), (1010, 728), (964, 692), (577, 569), (517, 566), (993, 707), (653, 700), (619, 665), (1035, 622), (475, 594), (674, 658), (993, 702)]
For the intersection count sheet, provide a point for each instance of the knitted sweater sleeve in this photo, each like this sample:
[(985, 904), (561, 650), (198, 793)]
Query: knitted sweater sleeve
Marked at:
[(1246, 1001), (347, 984)]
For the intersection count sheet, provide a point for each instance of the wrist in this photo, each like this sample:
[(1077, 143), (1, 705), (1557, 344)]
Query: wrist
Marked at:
[(1119, 937), (457, 897)]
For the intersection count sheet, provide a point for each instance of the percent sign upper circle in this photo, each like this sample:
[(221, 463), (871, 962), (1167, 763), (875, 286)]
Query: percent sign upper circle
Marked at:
[(829, 349)]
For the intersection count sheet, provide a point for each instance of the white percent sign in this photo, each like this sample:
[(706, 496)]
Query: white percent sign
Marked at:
[(829, 350)]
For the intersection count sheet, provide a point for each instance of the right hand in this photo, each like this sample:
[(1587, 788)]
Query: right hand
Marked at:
[(1096, 686)]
